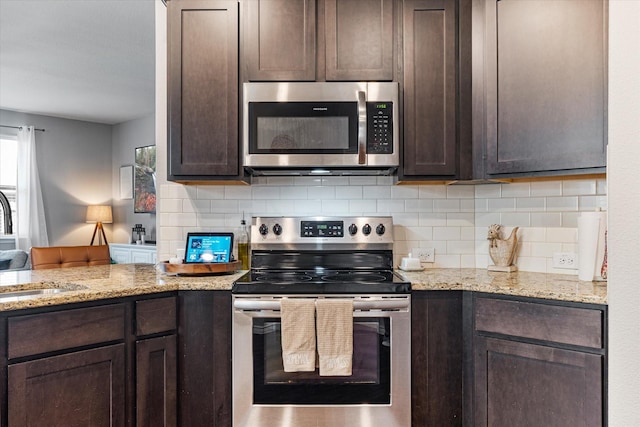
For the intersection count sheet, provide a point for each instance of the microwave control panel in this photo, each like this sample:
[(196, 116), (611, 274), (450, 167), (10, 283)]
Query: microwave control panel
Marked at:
[(379, 127)]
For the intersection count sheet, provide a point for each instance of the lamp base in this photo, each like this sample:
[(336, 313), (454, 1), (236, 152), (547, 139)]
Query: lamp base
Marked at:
[(100, 235)]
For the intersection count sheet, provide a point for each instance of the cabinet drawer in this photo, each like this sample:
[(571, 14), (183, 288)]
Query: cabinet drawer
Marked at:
[(155, 315), (566, 325), (42, 333)]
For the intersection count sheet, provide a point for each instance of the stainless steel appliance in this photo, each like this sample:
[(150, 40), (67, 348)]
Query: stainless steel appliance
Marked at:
[(321, 128), (315, 258)]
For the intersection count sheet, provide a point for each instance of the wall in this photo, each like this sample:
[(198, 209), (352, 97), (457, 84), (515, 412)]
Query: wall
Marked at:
[(126, 137), (74, 163), (624, 220)]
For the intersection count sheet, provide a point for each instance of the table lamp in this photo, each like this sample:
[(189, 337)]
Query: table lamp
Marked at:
[(99, 214)]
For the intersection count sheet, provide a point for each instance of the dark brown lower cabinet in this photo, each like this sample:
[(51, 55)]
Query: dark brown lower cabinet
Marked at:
[(436, 358), (83, 388), (204, 365), (156, 382), (520, 384)]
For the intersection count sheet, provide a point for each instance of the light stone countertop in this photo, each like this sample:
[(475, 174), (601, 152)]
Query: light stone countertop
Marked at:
[(560, 287), (123, 280)]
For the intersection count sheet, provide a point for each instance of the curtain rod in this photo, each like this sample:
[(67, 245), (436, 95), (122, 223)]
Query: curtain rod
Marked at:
[(18, 127)]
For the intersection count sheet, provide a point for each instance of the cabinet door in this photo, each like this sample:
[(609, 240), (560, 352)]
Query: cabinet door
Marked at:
[(143, 256), (359, 39), (202, 89), (204, 345), (546, 85), (120, 256), (156, 379), (429, 54), (436, 359), (518, 384), (280, 40), (84, 388)]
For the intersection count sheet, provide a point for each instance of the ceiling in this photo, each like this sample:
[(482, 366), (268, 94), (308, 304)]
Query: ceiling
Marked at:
[(91, 60)]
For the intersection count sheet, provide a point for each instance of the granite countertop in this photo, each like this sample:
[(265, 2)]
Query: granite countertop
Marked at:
[(122, 280)]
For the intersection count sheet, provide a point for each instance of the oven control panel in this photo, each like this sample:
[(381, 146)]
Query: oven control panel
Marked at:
[(321, 229)]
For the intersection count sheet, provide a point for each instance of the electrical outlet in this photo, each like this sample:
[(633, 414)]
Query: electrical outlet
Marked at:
[(425, 254), (565, 260)]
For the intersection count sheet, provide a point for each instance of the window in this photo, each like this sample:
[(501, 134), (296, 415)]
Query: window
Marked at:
[(8, 175)]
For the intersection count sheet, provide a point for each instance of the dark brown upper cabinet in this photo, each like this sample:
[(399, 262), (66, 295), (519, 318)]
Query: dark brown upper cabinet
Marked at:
[(203, 42), (299, 40), (542, 108), (430, 147), (280, 40), (359, 39)]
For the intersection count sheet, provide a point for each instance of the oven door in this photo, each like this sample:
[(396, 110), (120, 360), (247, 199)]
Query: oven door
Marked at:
[(377, 393)]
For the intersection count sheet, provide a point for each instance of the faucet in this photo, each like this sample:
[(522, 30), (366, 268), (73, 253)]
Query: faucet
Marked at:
[(6, 210)]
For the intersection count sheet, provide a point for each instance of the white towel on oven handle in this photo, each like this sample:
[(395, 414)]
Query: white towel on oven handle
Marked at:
[(298, 334), (335, 336)]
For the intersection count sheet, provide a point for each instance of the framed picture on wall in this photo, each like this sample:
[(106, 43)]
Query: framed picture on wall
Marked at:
[(145, 180), (126, 182)]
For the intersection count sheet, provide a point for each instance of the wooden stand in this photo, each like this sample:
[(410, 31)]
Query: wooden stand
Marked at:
[(100, 236), (200, 269)]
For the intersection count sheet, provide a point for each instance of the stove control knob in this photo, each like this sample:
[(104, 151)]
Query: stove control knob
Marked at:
[(366, 229), (277, 229), (380, 229), (353, 229), (263, 230)]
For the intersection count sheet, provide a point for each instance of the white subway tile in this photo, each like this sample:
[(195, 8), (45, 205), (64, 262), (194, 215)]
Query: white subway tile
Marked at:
[(172, 205), (534, 264), (561, 204), (545, 249), (440, 246), (578, 187), (433, 219), (404, 192), (591, 203), (546, 188), (265, 193), (446, 205), (349, 192), (212, 222), (377, 192), (501, 205), (335, 180), (570, 219), (546, 219), (524, 248), (432, 192), (321, 193), (362, 180), (223, 206), (335, 207), (419, 233), (483, 260), (171, 233), (238, 192), (460, 191), (488, 191), (209, 192), (252, 207), (399, 231), (446, 233), (562, 235), (307, 180), (177, 191), (460, 219), (531, 204), (515, 219), (385, 180), (259, 180), (418, 205), (176, 219), (359, 207), (196, 206), (467, 233), (447, 261), (280, 207), (467, 205), (467, 261), (601, 186), (307, 207), (533, 234), (481, 205), (516, 189), (294, 192), (486, 219), (406, 219), (280, 180), (460, 247), (390, 206)]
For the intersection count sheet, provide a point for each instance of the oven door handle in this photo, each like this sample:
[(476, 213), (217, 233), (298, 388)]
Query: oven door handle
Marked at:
[(362, 128), (387, 304)]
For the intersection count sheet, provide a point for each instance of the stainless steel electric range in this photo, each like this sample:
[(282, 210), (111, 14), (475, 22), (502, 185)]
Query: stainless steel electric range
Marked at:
[(319, 258)]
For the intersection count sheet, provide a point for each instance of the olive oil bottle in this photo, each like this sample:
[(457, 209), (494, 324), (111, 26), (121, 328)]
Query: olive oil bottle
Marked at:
[(243, 245)]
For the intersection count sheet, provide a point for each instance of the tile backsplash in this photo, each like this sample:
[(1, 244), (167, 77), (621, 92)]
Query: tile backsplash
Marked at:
[(453, 219)]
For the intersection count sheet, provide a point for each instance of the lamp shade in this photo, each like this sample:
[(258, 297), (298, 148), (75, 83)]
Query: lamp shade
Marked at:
[(99, 213)]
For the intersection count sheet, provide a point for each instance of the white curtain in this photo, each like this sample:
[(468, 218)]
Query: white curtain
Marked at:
[(31, 228)]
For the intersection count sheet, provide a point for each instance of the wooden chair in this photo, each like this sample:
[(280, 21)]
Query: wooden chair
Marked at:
[(69, 256)]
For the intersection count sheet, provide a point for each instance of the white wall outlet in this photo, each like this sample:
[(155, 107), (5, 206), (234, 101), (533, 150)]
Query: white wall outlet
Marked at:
[(425, 254), (565, 260)]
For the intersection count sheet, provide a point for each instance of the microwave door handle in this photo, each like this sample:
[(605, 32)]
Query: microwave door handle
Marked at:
[(362, 128)]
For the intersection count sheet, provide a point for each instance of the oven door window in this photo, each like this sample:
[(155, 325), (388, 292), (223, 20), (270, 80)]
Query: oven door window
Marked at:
[(303, 127), (369, 382)]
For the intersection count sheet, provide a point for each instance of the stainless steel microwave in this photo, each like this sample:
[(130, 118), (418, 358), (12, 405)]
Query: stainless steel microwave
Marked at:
[(320, 128)]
